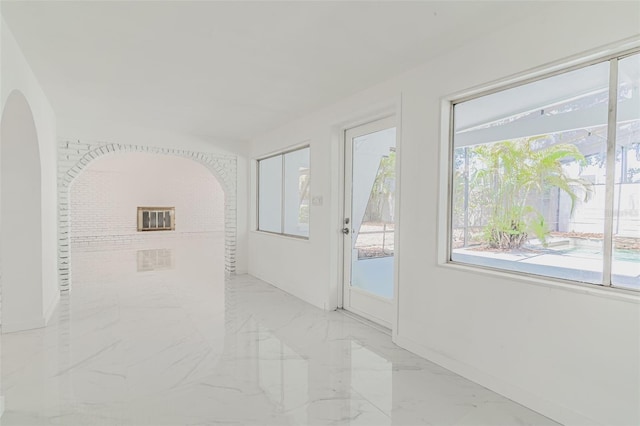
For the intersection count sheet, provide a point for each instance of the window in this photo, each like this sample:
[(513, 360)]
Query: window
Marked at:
[(535, 169), (283, 193), (156, 218)]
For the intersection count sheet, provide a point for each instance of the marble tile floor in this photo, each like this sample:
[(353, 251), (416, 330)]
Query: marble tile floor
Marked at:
[(159, 336)]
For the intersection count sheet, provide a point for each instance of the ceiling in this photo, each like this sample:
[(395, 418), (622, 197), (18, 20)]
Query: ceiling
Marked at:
[(227, 71)]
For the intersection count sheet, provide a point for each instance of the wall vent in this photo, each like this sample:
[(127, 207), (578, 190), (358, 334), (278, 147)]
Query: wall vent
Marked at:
[(156, 218)]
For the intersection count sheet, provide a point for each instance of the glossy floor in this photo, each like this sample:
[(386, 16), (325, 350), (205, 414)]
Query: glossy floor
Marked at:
[(158, 336)]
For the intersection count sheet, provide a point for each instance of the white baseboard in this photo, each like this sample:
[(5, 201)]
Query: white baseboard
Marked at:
[(31, 324), (292, 291), (547, 408), (23, 325)]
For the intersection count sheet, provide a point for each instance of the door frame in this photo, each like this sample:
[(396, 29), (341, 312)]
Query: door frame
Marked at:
[(391, 109)]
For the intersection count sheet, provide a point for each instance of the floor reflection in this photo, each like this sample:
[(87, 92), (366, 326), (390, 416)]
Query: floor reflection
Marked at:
[(155, 259), (187, 346)]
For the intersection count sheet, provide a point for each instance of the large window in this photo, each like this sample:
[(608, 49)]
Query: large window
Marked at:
[(546, 176), (283, 193)]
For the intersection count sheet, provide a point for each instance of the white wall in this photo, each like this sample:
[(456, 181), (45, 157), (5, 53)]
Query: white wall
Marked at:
[(17, 75), (568, 352), (104, 198), (20, 218)]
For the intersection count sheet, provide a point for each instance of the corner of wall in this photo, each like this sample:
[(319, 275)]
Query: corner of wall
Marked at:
[(51, 307)]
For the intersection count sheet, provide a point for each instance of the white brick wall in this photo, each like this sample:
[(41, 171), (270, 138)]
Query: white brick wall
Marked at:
[(105, 196), (75, 156)]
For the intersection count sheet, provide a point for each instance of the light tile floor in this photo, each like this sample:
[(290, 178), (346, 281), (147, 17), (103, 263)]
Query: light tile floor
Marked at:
[(158, 336)]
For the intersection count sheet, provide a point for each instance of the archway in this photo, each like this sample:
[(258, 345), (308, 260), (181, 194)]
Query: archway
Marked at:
[(106, 197), (75, 156), (20, 218)]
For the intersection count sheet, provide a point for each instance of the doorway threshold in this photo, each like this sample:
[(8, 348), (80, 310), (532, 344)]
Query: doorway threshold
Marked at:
[(365, 321)]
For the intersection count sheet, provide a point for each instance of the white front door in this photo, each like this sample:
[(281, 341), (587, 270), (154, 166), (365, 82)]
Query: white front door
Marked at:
[(369, 220)]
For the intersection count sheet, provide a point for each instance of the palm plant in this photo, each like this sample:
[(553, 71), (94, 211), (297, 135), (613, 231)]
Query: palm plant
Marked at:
[(382, 187), (515, 173)]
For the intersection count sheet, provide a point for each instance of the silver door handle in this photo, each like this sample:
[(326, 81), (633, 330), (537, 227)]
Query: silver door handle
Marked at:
[(345, 231)]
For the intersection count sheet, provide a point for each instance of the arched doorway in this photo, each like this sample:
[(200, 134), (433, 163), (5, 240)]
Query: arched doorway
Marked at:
[(20, 218), (105, 199), (76, 156)]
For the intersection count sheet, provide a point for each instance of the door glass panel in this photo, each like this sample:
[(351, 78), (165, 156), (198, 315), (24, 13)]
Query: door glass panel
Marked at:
[(625, 266), (372, 211)]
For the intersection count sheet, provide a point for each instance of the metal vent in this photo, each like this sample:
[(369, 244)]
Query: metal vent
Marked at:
[(156, 218)]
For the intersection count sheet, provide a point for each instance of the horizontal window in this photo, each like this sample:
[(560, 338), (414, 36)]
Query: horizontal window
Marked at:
[(545, 179), (283, 193)]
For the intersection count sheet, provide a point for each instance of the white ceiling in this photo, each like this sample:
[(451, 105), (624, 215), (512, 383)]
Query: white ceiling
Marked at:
[(228, 71)]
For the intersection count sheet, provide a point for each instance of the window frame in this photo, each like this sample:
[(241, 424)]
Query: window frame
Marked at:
[(282, 201), (613, 55)]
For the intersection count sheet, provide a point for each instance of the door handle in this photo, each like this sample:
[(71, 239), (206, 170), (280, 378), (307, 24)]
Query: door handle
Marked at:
[(345, 231)]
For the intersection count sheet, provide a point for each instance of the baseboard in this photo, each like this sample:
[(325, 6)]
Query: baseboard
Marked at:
[(290, 291), (23, 325), (52, 306), (34, 323), (546, 408)]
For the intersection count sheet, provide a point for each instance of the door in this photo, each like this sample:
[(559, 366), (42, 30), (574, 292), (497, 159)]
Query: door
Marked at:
[(369, 220)]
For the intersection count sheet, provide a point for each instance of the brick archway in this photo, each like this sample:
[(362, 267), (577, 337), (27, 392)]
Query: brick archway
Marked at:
[(75, 156)]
